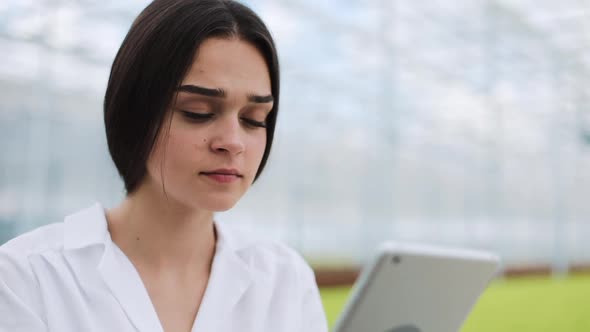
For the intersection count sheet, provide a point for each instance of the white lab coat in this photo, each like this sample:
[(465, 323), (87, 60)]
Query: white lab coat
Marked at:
[(71, 277)]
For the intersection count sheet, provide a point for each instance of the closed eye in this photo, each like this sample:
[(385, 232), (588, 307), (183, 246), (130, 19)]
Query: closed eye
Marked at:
[(197, 117), (254, 123)]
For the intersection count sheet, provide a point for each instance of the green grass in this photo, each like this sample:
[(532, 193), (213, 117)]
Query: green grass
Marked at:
[(519, 305)]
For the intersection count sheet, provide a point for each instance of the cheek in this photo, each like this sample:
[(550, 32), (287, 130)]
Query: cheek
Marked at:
[(154, 161), (258, 144), (184, 148), (172, 153)]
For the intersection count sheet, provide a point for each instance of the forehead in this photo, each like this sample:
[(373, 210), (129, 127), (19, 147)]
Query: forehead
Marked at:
[(234, 65)]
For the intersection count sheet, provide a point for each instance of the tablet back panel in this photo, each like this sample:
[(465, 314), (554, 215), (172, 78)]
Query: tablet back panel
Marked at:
[(411, 288)]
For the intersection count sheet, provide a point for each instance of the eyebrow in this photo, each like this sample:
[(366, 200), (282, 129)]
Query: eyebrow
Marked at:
[(260, 99), (220, 93)]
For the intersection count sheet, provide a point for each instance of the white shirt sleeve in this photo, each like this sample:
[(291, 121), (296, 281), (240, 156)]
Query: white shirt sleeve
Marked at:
[(19, 296), (314, 317)]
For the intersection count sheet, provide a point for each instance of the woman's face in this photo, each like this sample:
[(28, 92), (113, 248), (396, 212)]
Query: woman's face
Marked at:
[(213, 137)]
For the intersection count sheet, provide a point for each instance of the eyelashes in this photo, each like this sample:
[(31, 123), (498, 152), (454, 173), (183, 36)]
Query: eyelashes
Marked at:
[(254, 123), (197, 117), (204, 117)]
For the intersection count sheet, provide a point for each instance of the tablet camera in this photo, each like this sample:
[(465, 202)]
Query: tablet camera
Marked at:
[(404, 328), (396, 259)]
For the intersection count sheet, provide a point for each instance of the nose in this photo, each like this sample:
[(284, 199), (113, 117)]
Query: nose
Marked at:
[(228, 137)]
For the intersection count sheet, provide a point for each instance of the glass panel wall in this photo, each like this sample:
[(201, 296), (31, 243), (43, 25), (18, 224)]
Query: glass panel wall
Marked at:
[(452, 122)]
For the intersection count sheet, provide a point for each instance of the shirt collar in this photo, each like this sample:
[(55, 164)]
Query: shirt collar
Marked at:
[(231, 274), (86, 227)]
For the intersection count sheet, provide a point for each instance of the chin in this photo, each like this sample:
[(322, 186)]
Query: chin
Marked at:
[(221, 207), (217, 204)]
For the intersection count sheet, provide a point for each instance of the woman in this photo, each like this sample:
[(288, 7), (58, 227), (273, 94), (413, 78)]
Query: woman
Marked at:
[(190, 112)]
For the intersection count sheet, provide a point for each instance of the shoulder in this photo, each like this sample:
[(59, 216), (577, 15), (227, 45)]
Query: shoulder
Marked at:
[(272, 257), (18, 281), (80, 229), (269, 253), (44, 238), (283, 280), (16, 254)]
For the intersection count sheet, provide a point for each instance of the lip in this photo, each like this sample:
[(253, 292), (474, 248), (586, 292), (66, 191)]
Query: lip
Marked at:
[(223, 175), (224, 171)]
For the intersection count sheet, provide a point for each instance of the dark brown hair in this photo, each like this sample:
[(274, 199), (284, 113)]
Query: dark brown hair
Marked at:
[(151, 64)]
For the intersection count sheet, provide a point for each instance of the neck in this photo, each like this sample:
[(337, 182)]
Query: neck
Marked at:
[(159, 234)]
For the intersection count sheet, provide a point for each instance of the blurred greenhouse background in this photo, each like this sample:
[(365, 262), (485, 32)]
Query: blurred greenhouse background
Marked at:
[(451, 122)]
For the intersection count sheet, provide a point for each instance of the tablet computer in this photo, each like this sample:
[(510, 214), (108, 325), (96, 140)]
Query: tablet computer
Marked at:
[(417, 288)]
